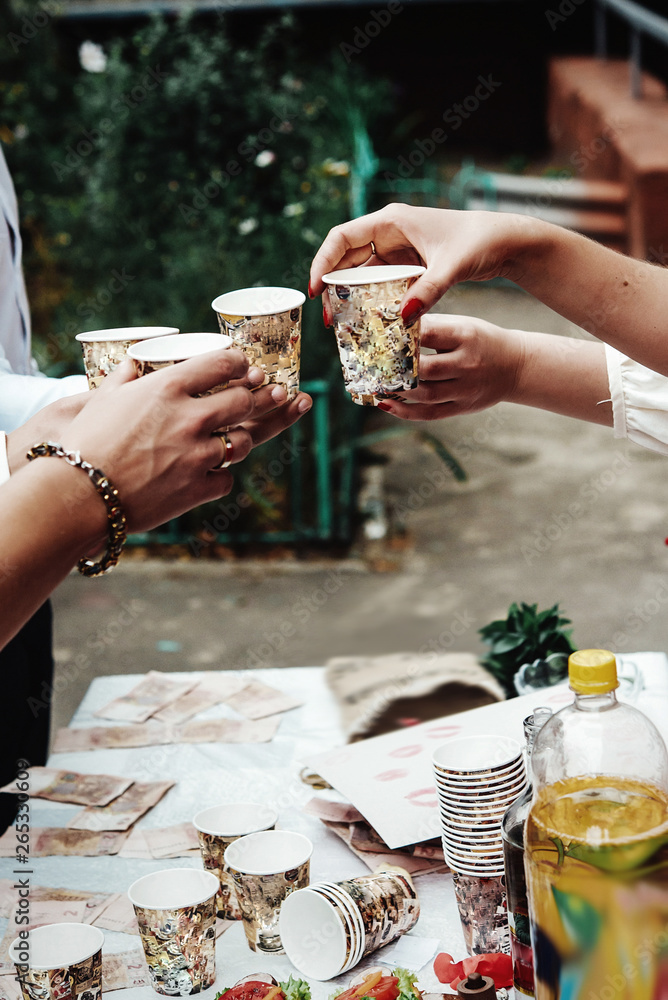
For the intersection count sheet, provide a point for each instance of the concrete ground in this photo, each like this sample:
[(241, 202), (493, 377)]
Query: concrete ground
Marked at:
[(553, 510)]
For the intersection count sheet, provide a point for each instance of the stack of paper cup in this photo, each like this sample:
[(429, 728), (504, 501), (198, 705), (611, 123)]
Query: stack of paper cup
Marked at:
[(329, 927), (477, 778)]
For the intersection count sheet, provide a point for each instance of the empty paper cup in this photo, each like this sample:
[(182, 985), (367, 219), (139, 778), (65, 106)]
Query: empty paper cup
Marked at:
[(103, 350), (176, 913), (471, 756), (265, 323), (388, 904), (316, 934), (217, 828), (266, 868), (151, 356), (59, 962), (379, 353)]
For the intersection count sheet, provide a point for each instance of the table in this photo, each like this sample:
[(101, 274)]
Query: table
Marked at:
[(210, 773)]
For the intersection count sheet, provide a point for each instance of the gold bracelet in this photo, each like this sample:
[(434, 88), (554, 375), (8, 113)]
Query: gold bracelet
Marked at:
[(115, 516)]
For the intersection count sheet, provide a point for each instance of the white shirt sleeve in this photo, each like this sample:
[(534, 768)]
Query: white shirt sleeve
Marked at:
[(639, 401), (21, 396)]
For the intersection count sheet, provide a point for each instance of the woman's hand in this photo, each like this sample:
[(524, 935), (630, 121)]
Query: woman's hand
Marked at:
[(476, 365), (454, 246)]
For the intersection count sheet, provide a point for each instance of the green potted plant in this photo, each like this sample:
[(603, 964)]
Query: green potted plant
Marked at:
[(529, 649)]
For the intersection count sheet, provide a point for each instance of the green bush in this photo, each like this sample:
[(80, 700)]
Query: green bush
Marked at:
[(189, 166)]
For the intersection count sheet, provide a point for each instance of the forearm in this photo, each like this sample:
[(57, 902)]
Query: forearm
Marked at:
[(50, 517), (563, 375), (620, 300)]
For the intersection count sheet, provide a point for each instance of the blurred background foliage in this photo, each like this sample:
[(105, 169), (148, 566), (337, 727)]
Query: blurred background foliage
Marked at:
[(180, 164)]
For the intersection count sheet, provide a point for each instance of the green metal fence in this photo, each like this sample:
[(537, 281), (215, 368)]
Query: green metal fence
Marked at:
[(331, 480)]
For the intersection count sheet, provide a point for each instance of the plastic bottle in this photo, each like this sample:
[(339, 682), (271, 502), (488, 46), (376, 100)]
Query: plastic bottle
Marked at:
[(596, 845), (512, 831)]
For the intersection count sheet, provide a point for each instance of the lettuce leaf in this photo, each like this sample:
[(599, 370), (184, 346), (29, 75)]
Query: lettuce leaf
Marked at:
[(296, 989)]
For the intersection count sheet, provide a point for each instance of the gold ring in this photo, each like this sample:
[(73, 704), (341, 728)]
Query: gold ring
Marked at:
[(373, 248), (229, 451)]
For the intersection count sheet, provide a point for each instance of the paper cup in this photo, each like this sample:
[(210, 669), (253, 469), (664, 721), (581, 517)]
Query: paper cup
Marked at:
[(176, 913), (379, 353), (354, 916), (266, 868), (59, 962), (483, 914), (265, 323), (315, 934), (152, 356), (388, 904), (103, 350), (217, 828), (477, 755)]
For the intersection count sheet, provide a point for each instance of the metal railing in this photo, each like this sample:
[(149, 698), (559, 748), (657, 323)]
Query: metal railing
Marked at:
[(641, 22)]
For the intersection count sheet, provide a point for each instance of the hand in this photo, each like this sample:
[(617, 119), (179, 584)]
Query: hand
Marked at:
[(477, 364), (156, 440), (46, 425), (272, 414), (454, 246)]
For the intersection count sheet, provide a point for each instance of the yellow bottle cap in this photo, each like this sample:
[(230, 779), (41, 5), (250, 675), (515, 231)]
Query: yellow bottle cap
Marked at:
[(592, 671)]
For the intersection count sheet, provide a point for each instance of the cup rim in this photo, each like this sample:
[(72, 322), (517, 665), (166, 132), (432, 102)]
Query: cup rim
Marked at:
[(293, 300), (495, 778), (514, 750), (177, 347), (481, 797), (126, 333), (373, 275), (200, 823), (306, 968), (238, 845), (214, 886), (47, 929)]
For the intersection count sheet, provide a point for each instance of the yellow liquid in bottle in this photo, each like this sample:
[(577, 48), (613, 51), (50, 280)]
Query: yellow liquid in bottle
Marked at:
[(597, 874)]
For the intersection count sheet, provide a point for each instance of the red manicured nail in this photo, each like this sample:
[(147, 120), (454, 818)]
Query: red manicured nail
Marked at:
[(412, 311), (311, 293), (327, 317), (385, 406)]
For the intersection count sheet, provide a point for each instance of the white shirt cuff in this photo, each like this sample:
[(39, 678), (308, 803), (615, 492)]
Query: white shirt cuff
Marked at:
[(4, 461), (639, 401)]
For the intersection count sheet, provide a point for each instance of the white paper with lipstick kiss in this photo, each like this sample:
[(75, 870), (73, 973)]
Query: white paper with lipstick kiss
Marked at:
[(389, 778)]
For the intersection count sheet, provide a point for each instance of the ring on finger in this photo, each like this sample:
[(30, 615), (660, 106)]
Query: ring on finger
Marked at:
[(226, 460), (373, 248)]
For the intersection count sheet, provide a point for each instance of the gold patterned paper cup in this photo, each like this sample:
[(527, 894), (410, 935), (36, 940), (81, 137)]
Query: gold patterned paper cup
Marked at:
[(265, 323), (388, 903), (103, 350), (266, 868), (217, 828), (153, 355), (59, 962), (379, 353), (176, 913)]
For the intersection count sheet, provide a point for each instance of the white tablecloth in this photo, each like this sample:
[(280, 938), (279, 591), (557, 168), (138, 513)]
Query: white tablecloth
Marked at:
[(207, 774)]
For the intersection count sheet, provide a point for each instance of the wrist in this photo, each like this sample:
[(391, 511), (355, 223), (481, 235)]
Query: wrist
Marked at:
[(516, 363), (531, 242)]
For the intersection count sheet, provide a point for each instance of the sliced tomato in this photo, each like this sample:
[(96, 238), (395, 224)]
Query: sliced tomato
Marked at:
[(253, 989), (383, 988)]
